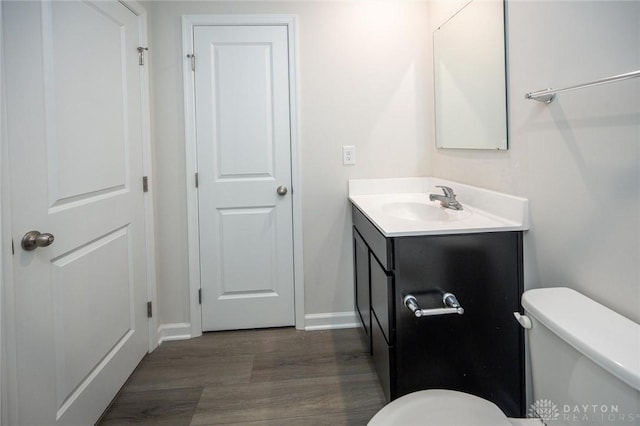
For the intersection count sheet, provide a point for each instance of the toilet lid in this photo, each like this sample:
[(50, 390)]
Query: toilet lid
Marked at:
[(438, 407)]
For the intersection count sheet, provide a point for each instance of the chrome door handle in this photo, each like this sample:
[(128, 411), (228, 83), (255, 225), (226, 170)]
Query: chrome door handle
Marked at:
[(34, 239), (282, 190)]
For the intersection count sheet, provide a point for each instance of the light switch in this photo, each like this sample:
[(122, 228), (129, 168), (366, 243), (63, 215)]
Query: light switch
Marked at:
[(348, 154)]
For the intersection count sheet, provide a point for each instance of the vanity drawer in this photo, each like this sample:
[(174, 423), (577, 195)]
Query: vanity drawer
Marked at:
[(383, 360), (381, 247), (382, 299)]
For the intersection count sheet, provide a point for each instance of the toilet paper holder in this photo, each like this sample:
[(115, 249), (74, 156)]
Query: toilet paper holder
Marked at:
[(448, 299)]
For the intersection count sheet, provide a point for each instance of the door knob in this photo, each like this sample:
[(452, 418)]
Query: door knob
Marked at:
[(34, 239), (282, 190)]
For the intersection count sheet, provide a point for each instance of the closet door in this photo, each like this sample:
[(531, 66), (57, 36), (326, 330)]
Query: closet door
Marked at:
[(243, 137)]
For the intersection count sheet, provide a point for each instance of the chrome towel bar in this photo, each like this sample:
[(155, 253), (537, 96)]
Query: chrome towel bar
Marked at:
[(548, 95), (448, 299)]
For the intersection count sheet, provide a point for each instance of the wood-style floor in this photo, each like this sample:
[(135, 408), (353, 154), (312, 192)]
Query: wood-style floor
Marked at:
[(253, 377)]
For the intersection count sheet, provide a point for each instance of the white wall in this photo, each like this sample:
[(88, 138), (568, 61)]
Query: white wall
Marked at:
[(365, 79), (362, 81), (578, 159)]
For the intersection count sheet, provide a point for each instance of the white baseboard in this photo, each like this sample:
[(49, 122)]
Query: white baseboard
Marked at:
[(330, 321), (326, 321), (175, 331)]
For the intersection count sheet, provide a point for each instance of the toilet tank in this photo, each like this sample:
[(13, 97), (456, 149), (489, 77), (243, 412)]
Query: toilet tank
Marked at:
[(585, 360)]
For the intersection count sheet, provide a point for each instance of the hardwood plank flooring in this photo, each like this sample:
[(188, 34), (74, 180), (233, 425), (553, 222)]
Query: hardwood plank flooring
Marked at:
[(253, 377)]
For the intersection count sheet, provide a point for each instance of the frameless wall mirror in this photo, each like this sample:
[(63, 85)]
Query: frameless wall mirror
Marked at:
[(470, 78)]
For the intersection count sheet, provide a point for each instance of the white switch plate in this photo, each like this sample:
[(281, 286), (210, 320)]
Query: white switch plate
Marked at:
[(348, 154)]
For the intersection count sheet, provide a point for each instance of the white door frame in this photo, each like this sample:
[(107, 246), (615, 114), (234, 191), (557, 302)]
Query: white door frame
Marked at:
[(147, 160), (3, 242), (8, 381), (188, 22)]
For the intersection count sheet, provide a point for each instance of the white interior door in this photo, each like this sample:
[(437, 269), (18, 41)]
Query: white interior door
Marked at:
[(244, 156), (74, 132)]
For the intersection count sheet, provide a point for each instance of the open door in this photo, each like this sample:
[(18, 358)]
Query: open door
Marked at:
[(74, 129)]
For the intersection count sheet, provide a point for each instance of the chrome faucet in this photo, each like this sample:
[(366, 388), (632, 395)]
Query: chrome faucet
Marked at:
[(448, 200)]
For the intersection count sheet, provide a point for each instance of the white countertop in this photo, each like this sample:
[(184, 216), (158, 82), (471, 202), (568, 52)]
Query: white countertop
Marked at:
[(391, 205)]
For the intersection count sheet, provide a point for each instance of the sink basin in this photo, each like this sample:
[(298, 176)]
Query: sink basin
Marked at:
[(400, 207), (415, 211)]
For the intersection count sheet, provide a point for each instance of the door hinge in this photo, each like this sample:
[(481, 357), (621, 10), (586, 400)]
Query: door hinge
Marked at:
[(200, 296), (141, 51), (193, 61), (197, 182), (13, 248), (149, 309), (145, 183)]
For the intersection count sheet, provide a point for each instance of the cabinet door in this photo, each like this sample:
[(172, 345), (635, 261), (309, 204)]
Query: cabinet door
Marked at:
[(362, 289), (382, 326), (382, 299), (480, 352)]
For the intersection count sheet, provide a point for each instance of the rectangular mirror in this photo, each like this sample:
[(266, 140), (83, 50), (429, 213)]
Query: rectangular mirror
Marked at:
[(470, 78)]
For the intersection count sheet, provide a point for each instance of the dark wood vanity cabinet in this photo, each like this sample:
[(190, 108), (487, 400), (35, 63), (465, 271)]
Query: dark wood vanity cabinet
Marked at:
[(481, 351), (363, 296)]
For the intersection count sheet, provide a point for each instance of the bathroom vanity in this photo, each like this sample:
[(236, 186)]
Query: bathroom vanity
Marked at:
[(410, 254)]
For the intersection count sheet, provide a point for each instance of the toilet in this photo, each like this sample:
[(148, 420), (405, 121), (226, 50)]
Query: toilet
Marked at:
[(585, 363)]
